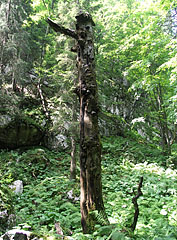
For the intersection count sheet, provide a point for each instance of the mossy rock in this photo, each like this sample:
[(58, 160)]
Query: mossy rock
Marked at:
[(18, 131)]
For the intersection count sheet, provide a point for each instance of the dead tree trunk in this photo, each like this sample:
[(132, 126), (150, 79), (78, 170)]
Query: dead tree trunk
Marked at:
[(90, 146), (73, 140)]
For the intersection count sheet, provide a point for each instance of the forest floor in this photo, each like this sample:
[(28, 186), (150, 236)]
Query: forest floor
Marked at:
[(50, 198)]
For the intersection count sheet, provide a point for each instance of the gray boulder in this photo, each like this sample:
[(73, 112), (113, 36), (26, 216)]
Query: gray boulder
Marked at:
[(56, 142), (22, 232), (16, 234)]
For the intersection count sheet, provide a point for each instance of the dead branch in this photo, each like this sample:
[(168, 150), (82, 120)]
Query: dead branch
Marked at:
[(61, 29), (134, 201)]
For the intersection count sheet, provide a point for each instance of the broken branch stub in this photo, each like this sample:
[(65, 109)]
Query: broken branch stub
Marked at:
[(58, 28)]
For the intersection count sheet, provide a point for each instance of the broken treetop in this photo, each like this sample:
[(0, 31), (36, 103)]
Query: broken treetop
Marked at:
[(81, 18), (84, 17)]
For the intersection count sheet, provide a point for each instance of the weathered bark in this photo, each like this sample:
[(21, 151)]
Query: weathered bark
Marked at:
[(134, 201), (62, 29), (90, 146)]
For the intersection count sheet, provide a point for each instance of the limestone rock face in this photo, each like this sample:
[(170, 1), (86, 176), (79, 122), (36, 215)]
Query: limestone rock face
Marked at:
[(16, 234), (56, 142), (18, 132), (21, 232)]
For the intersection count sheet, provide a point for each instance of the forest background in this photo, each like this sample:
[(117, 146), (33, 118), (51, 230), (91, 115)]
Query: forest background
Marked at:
[(136, 68)]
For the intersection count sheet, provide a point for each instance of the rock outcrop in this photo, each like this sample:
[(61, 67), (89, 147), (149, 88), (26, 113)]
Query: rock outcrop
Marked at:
[(17, 131), (16, 234)]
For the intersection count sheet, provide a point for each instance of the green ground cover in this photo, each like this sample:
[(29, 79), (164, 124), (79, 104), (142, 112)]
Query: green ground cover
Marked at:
[(45, 200)]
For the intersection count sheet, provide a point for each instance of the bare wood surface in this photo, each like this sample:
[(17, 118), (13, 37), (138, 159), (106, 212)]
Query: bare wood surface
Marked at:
[(58, 28), (134, 201)]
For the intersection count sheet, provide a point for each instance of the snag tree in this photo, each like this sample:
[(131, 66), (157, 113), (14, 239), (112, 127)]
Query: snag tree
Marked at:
[(90, 147)]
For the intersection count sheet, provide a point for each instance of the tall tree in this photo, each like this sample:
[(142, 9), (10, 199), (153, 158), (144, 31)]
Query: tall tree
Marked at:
[(14, 42), (90, 146), (137, 65)]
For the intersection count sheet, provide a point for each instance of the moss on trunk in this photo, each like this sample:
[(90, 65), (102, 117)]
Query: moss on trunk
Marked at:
[(90, 146)]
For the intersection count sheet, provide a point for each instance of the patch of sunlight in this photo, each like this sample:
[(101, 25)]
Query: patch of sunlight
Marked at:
[(25, 23), (112, 220), (36, 3), (152, 167), (112, 203), (146, 4), (173, 218), (170, 173), (142, 225), (7, 86), (140, 119), (163, 212), (50, 238), (115, 218), (40, 15)]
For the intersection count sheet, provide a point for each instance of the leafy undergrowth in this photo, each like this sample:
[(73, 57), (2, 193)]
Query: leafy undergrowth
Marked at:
[(49, 198), (124, 162)]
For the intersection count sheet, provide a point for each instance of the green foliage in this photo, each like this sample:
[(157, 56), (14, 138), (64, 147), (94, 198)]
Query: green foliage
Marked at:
[(44, 202), (6, 194), (121, 173), (136, 62), (136, 73), (47, 201), (133, 149), (46, 183), (6, 199)]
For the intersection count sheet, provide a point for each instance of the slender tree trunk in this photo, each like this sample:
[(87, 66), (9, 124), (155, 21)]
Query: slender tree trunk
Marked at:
[(73, 159), (162, 116), (14, 82), (73, 143), (90, 146), (43, 100), (4, 38), (8, 13), (162, 120)]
